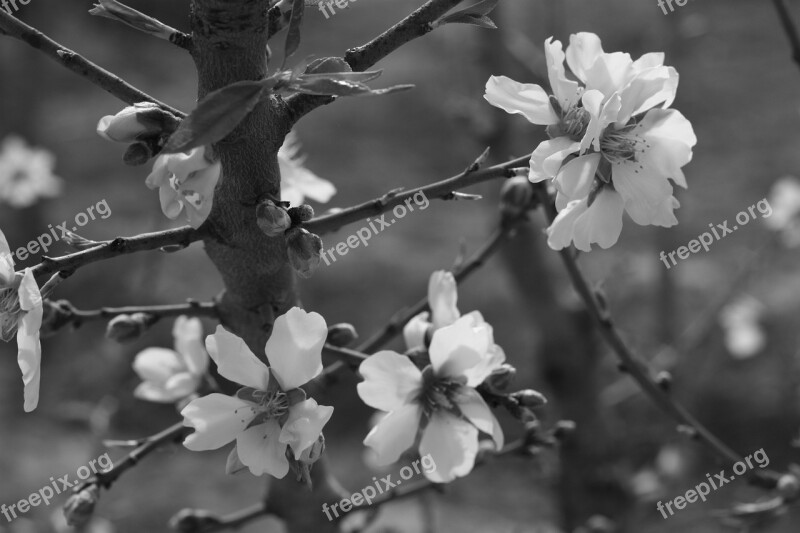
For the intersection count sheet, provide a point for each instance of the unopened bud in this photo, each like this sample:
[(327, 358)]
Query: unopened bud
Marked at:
[(127, 328), (193, 520), (80, 506), (125, 126), (664, 380), (272, 219), (564, 428), (304, 250), (530, 398), (301, 213), (501, 378), (77, 242), (342, 334), (600, 524), (55, 316), (137, 154), (313, 453), (516, 196), (789, 486)]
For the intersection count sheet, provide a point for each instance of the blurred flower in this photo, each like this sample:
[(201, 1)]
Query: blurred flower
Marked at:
[(79, 508), (442, 299), (185, 180), (740, 320), (441, 399), (297, 182), (21, 312), (26, 174), (171, 375), (784, 198), (266, 415), (609, 150)]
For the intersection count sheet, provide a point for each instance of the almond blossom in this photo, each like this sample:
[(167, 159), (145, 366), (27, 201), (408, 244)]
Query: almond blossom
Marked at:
[(21, 313), (270, 412), (441, 399), (297, 182), (442, 299), (126, 126), (614, 146), (26, 174), (171, 375), (186, 182)]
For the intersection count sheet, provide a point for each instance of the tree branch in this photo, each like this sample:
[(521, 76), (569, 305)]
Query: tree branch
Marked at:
[(67, 264), (790, 28), (633, 364), (76, 317), (104, 79), (438, 190), (119, 12), (363, 57)]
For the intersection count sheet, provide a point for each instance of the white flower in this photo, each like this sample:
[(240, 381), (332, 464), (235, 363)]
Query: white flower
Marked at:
[(609, 142), (171, 375), (266, 415), (185, 181), (442, 299), (441, 399), (26, 174), (21, 313), (297, 182), (784, 199), (741, 322)]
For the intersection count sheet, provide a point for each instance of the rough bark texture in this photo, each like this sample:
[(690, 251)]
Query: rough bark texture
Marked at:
[(230, 38)]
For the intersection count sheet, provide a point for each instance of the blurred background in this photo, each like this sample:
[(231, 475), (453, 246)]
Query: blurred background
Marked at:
[(725, 323)]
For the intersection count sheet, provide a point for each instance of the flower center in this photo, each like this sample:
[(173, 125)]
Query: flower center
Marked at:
[(10, 312), (574, 121), (266, 405), (622, 145), (438, 393)]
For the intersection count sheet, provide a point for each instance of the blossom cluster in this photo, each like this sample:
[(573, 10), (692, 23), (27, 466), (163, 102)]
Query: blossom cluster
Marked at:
[(614, 143)]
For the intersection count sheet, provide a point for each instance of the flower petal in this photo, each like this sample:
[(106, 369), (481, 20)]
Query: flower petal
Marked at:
[(601, 223), (235, 361), (394, 434), (528, 100), (157, 365), (304, 425), (583, 50), (576, 177), (559, 234), (188, 335), (443, 296), (459, 347), (29, 356), (452, 444), (416, 329), (261, 451), (546, 160), (475, 409), (566, 91), (217, 420), (294, 349), (150, 392), (390, 380)]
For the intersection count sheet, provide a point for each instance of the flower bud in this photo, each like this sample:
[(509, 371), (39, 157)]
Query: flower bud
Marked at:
[(137, 154), (77, 242), (127, 328), (530, 398), (301, 213), (193, 520), (272, 219), (125, 127), (789, 486), (313, 453), (501, 378), (516, 196), (304, 249), (342, 334), (55, 316), (80, 506)]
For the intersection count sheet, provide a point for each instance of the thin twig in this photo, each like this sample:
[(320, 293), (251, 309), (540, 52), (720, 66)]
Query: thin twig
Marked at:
[(76, 317), (363, 57), (67, 264), (440, 189), (634, 366), (352, 358), (104, 79), (171, 435), (790, 28)]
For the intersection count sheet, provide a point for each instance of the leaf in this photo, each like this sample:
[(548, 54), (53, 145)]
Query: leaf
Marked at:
[(323, 85), (293, 35), (328, 64), (216, 116), (475, 15)]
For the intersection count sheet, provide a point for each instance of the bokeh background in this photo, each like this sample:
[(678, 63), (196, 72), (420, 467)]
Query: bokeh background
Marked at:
[(739, 88)]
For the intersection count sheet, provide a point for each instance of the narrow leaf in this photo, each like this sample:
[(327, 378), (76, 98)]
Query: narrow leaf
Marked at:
[(468, 18), (293, 35), (216, 116)]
